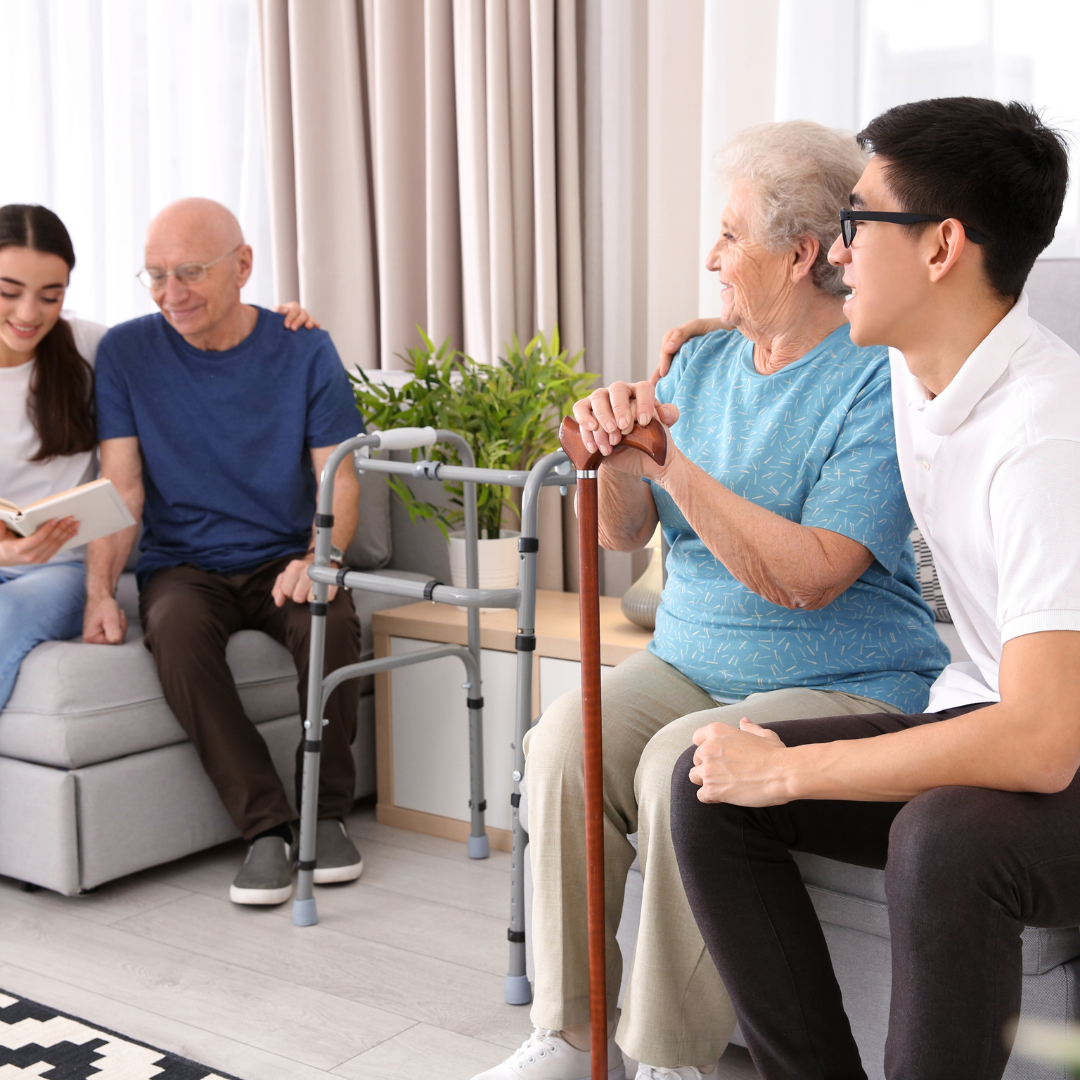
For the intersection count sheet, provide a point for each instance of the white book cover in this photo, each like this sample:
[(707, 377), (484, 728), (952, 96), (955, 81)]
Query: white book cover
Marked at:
[(96, 506)]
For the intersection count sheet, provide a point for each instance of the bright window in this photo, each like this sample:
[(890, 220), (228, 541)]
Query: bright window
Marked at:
[(118, 107), (841, 62)]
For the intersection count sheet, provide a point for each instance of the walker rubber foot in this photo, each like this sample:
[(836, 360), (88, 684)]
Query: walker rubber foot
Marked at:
[(304, 912), (516, 990), (479, 847)]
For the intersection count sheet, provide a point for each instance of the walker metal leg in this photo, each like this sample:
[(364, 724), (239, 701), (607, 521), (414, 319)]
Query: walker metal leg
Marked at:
[(516, 988), (478, 840), (305, 911)]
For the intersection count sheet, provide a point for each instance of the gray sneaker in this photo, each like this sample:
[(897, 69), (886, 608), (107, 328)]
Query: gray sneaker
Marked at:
[(267, 874), (336, 857)]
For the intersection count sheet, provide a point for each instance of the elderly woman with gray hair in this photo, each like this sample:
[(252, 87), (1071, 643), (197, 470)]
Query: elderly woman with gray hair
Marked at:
[(791, 592)]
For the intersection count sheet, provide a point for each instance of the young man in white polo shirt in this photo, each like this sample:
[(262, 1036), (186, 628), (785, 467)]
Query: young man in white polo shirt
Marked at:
[(973, 808)]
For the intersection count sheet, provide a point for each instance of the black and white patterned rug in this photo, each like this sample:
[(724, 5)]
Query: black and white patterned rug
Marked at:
[(36, 1041)]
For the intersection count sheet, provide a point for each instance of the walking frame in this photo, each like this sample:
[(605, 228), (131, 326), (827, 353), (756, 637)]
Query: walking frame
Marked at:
[(553, 470)]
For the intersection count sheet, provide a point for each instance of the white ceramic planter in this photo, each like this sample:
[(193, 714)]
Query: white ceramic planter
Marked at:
[(640, 601), (499, 561)]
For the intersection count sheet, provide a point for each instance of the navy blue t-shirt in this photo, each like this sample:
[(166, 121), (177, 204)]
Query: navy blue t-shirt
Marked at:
[(225, 437)]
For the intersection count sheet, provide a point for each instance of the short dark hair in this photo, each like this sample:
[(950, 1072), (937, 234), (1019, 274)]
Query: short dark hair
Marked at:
[(995, 166)]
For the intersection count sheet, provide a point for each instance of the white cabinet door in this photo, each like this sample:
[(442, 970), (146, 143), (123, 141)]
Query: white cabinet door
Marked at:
[(431, 733), (558, 677)]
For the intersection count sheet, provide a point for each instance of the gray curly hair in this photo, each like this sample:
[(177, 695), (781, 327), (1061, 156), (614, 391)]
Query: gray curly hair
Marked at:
[(801, 174)]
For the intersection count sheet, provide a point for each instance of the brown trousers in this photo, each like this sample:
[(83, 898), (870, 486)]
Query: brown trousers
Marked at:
[(188, 615)]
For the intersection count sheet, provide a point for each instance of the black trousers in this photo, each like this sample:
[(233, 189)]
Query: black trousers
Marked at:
[(188, 615), (966, 869)]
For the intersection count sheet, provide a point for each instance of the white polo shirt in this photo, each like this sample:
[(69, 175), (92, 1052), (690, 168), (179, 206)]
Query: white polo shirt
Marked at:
[(991, 468)]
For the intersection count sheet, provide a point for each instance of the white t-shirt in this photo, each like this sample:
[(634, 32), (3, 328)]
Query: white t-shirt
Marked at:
[(24, 481), (991, 468)]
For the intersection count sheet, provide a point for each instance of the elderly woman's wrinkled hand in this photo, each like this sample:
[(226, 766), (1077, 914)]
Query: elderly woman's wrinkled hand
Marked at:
[(741, 766), (610, 412)]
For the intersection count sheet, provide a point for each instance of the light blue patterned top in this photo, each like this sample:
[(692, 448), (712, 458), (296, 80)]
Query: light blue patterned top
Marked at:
[(814, 443)]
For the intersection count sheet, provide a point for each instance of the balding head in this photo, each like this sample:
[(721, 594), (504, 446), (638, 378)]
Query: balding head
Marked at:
[(199, 222), (200, 231)]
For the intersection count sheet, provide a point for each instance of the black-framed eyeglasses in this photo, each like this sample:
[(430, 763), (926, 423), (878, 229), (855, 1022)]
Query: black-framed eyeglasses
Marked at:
[(849, 223)]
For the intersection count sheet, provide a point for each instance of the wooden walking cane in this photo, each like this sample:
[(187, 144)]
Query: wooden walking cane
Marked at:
[(653, 441)]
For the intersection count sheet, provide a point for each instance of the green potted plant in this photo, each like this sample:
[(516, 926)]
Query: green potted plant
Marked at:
[(508, 413)]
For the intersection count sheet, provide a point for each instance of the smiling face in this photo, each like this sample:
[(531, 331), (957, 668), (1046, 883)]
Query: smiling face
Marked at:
[(753, 279), (32, 287), (885, 268), (198, 231)]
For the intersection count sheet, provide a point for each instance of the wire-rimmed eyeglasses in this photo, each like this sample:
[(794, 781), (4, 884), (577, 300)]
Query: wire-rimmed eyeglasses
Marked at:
[(849, 220), (186, 273)]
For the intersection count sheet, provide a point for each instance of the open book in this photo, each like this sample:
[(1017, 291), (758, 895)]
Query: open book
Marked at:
[(96, 506)]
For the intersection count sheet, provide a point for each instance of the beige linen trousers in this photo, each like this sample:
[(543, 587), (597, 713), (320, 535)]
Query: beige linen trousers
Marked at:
[(676, 1011)]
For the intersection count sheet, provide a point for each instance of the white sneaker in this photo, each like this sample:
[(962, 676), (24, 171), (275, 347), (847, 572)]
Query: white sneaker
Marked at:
[(683, 1072), (545, 1055)]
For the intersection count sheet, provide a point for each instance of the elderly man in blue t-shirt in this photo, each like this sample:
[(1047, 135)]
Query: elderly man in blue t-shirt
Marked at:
[(215, 422)]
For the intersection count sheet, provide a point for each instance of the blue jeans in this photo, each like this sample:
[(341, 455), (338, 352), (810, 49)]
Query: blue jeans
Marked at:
[(40, 603)]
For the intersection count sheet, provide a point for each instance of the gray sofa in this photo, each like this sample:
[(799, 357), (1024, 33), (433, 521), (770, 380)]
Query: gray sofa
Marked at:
[(98, 780)]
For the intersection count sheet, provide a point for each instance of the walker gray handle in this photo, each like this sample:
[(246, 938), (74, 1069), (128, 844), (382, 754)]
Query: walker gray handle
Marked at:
[(407, 438)]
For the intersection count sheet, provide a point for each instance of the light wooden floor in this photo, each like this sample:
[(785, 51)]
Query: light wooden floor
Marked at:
[(402, 979)]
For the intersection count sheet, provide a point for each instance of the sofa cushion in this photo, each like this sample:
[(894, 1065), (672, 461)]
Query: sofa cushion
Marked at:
[(76, 704), (371, 543), (854, 896)]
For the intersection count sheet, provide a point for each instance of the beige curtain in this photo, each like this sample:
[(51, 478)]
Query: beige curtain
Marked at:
[(424, 169)]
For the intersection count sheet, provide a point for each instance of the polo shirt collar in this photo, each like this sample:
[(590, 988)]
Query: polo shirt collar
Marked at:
[(980, 371)]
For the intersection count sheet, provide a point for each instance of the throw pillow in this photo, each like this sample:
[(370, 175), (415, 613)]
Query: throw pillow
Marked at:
[(928, 578)]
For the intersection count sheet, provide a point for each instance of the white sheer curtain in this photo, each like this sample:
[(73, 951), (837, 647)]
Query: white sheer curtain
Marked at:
[(841, 62), (118, 107)]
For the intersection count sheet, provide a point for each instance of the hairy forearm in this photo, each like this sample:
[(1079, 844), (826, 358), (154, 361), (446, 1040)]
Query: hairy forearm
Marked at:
[(995, 747), (786, 563), (627, 513), (346, 506), (105, 559)]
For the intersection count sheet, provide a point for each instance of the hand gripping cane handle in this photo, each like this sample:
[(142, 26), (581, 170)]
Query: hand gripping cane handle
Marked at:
[(651, 440)]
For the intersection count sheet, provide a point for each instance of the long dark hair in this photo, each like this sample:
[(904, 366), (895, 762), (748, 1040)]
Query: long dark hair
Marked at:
[(61, 387)]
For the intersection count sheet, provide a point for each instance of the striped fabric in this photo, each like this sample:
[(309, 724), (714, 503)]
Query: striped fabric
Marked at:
[(928, 579)]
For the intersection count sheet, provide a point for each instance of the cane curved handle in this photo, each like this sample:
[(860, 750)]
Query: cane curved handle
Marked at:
[(650, 439)]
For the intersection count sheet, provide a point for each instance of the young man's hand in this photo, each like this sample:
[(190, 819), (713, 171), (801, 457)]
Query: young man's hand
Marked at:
[(741, 766), (675, 339)]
